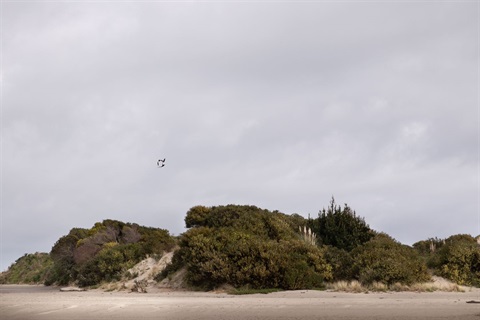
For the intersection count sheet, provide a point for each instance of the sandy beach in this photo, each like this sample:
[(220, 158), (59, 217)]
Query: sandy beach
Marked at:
[(38, 302)]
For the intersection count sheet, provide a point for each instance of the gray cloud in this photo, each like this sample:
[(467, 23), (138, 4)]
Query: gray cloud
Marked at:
[(279, 105)]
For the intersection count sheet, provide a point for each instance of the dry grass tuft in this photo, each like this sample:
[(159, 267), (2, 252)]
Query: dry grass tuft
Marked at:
[(437, 284), (347, 286), (378, 287)]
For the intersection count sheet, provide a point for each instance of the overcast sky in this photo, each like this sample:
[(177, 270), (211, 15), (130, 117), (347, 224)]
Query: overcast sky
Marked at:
[(281, 105)]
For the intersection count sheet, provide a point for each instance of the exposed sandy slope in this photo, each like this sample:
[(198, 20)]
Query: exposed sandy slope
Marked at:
[(144, 273), (148, 269)]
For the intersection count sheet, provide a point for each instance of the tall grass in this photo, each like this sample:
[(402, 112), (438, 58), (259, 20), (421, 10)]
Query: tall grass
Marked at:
[(357, 287), (347, 286), (308, 235)]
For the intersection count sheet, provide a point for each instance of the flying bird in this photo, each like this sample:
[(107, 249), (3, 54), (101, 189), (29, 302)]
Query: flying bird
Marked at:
[(162, 163)]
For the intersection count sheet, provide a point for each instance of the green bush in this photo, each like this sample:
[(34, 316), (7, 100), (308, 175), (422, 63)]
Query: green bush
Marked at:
[(239, 259), (459, 260), (104, 252), (247, 246), (28, 269), (429, 246), (251, 219), (196, 216), (341, 262), (385, 260), (428, 251)]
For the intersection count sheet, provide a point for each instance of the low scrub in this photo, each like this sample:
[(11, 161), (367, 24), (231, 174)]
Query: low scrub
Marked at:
[(456, 258), (247, 246), (28, 269), (459, 260), (104, 253), (255, 250), (384, 260)]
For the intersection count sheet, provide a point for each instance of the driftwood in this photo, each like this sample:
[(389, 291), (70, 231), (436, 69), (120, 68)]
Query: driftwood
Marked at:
[(140, 286), (71, 289)]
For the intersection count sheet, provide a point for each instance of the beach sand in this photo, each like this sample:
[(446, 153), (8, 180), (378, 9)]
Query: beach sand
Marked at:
[(38, 302)]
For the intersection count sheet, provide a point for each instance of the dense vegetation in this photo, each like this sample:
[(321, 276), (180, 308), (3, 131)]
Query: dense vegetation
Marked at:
[(387, 261), (29, 269), (104, 252), (357, 252), (340, 227), (247, 246), (251, 248), (456, 258)]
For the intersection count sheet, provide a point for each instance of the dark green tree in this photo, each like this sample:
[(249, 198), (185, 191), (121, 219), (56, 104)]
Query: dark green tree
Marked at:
[(340, 227), (62, 253)]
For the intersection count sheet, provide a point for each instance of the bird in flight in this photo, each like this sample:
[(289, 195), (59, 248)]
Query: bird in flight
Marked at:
[(161, 163)]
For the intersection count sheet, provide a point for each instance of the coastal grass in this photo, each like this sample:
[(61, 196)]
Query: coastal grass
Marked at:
[(357, 287), (347, 286)]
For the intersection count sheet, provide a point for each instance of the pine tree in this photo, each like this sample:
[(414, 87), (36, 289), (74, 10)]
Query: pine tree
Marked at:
[(340, 227)]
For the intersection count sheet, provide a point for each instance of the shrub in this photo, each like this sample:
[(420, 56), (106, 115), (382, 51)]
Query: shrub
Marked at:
[(459, 260), (239, 260), (28, 269), (341, 262), (247, 246), (384, 260), (104, 252), (196, 216), (429, 246)]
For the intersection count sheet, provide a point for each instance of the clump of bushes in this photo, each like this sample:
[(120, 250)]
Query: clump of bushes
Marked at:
[(384, 260), (244, 246), (341, 262), (247, 246), (357, 252), (104, 252), (456, 258), (459, 260), (28, 269), (256, 250)]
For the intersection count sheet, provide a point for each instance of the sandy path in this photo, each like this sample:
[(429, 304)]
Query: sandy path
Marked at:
[(23, 302)]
